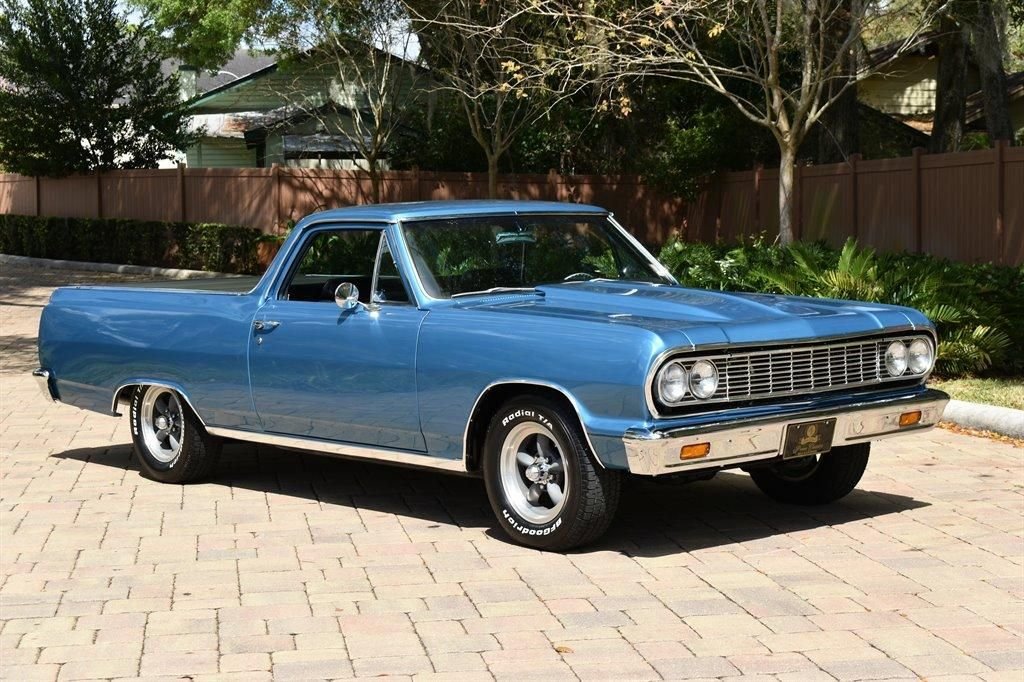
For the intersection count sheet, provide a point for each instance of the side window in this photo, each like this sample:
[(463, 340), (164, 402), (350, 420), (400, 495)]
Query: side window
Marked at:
[(331, 257), (390, 287)]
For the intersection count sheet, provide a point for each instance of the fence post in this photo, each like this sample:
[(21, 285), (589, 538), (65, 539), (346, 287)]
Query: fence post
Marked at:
[(39, 197), (1000, 161), (854, 209), (181, 191), (758, 170), (99, 195), (798, 201), (916, 200), (275, 179)]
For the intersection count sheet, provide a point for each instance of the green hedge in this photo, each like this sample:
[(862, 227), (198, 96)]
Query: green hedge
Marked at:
[(978, 309), (195, 246)]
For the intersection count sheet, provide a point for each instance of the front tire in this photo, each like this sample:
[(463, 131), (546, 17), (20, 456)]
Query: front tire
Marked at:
[(170, 442), (543, 484), (814, 480)]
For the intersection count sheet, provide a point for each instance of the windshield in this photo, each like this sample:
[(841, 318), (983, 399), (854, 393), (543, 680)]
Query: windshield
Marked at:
[(462, 256)]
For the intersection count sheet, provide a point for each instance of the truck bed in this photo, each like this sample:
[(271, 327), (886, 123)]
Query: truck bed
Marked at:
[(227, 285)]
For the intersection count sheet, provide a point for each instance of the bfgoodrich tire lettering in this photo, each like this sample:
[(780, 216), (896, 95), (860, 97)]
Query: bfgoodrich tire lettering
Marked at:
[(543, 483), (832, 477), (170, 442)]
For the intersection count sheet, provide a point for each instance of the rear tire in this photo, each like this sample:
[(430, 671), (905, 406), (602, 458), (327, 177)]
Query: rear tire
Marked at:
[(170, 441), (833, 476), (544, 485)]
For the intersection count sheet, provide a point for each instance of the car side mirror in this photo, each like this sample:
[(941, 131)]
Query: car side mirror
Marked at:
[(346, 296)]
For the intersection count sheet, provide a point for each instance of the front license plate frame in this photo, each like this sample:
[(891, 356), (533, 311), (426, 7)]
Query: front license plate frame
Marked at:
[(808, 438)]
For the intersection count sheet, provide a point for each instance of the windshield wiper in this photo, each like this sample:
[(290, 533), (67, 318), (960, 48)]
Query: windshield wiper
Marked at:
[(498, 290)]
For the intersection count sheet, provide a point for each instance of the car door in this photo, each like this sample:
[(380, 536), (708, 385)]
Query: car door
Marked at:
[(320, 371)]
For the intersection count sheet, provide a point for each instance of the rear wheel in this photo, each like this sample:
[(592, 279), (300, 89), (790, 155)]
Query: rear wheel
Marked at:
[(544, 485), (170, 441), (813, 480)]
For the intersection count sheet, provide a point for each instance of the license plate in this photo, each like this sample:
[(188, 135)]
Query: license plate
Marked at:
[(808, 438)]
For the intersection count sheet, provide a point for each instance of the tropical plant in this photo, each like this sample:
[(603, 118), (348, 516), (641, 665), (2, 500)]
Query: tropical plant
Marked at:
[(978, 310)]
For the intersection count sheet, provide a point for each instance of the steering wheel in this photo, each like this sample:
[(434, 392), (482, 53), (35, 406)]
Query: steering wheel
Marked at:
[(578, 277)]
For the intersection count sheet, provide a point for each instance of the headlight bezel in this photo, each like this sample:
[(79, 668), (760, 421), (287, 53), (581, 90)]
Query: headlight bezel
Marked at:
[(896, 357), (693, 386), (929, 354), (684, 380)]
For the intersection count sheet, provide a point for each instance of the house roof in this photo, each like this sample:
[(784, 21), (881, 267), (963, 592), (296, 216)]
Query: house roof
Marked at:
[(241, 64), (259, 85), (974, 105), (922, 45)]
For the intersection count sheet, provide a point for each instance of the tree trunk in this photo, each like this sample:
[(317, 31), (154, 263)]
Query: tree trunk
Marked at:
[(950, 88), (374, 169), (839, 127), (987, 48), (787, 209), (492, 176)]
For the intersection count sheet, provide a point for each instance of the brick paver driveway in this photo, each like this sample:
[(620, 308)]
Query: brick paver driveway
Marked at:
[(309, 568)]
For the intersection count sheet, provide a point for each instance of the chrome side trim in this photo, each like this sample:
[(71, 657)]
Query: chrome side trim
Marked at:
[(42, 377), (384, 455), (714, 351), (146, 382), (525, 382), (653, 452)]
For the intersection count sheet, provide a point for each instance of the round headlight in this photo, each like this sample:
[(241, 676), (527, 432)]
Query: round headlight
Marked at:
[(920, 356), (672, 383), (703, 378), (896, 358)]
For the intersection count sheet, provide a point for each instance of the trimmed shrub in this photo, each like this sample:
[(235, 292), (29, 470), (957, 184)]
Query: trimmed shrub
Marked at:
[(193, 246), (978, 309)]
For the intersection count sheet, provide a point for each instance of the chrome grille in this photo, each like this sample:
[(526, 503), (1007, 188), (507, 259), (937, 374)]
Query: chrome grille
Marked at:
[(797, 370)]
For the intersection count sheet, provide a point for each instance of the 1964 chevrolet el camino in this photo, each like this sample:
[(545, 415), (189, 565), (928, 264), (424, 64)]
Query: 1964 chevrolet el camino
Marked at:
[(535, 344)]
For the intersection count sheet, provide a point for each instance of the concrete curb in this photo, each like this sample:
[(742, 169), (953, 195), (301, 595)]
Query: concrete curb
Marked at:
[(1002, 420), (50, 264)]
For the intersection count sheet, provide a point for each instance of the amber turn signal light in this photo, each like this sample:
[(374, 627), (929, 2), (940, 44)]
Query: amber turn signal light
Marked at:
[(910, 418), (695, 451)]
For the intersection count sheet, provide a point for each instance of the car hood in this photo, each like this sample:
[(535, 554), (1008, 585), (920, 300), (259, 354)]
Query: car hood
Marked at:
[(700, 317)]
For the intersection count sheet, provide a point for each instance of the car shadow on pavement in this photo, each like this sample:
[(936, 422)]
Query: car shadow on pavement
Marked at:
[(655, 518)]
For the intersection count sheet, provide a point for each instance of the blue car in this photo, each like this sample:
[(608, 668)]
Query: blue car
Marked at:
[(536, 345)]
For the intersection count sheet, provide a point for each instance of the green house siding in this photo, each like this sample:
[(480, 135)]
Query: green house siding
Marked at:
[(220, 152)]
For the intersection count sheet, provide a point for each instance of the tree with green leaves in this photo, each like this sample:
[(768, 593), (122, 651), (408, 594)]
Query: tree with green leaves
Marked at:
[(81, 90), (770, 59), (479, 51)]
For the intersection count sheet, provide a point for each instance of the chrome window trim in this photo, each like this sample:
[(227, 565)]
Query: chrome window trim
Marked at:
[(348, 450), (526, 382), (713, 352)]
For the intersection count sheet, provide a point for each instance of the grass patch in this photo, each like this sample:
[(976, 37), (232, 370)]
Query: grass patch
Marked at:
[(1002, 392)]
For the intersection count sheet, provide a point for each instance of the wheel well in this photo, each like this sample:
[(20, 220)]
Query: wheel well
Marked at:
[(122, 395), (493, 398)]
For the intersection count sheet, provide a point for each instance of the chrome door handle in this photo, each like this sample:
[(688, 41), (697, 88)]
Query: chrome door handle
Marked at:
[(265, 325)]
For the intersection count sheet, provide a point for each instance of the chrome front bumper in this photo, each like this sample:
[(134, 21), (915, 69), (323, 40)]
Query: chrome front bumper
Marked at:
[(654, 452), (42, 377)]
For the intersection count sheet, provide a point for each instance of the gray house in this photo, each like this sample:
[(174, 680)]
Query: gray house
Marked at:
[(300, 113)]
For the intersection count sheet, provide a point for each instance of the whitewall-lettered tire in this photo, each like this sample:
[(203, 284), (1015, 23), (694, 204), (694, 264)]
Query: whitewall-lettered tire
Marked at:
[(544, 485), (170, 442)]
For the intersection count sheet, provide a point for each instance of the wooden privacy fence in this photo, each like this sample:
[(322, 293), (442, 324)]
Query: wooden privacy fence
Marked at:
[(268, 198), (965, 206)]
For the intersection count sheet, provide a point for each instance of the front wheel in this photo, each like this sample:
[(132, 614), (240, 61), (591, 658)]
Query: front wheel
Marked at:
[(170, 441), (544, 486), (814, 480)]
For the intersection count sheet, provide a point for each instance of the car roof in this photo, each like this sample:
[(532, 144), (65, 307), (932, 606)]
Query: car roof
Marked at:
[(425, 210)]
